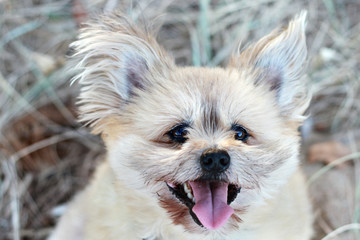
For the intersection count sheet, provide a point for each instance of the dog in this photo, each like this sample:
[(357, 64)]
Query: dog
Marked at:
[(192, 152)]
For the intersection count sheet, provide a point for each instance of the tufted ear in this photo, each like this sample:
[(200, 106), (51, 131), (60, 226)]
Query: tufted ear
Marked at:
[(278, 61), (114, 60)]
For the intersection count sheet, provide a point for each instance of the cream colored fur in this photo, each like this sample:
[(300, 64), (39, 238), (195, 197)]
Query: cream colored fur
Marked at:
[(134, 94), (112, 214)]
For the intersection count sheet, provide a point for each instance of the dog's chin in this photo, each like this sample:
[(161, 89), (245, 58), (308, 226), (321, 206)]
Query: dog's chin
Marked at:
[(208, 201)]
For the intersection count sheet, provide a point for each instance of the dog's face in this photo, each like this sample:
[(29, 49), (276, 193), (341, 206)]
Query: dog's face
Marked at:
[(204, 143)]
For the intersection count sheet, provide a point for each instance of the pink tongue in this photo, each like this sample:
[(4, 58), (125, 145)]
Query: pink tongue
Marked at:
[(210, 203)]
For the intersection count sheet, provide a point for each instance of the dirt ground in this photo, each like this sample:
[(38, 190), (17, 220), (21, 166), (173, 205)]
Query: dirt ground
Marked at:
[(46, 156)]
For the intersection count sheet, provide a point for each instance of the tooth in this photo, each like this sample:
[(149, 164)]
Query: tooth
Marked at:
[(186, 188), (193, 199), (190, 196)]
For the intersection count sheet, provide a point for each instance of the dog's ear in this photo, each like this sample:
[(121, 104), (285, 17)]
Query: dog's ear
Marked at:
[(278, 61), (114, 60)]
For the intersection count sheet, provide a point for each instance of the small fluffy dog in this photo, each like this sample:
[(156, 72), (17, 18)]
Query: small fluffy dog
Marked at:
[(193, 152)]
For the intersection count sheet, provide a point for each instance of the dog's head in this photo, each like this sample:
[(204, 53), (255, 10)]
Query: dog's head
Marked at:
[(205, 143)]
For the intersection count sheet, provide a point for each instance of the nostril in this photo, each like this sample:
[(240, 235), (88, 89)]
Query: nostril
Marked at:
[(224, 161), (207, 163)]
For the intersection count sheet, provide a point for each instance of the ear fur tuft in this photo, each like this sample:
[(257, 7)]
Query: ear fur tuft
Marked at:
[(114, 59), (278, 61)]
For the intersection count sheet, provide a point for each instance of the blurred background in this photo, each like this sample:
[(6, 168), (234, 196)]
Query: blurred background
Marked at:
[(46, 156)]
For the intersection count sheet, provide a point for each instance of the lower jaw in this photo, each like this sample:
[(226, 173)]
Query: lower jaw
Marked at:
[(195, 218)]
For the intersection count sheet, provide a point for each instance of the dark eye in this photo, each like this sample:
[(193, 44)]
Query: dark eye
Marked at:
[(240, 133), (178, 133)]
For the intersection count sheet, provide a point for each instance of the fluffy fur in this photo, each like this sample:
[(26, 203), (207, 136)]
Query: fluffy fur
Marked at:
[(134, 95)]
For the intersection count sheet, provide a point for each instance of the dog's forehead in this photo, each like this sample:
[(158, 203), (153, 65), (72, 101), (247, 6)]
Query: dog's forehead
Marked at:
[(216, 93), (208, 96), (205, 93), (206, 81), (202, 86)]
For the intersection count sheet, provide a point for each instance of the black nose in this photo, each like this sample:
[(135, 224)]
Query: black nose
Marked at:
[(214, 160)]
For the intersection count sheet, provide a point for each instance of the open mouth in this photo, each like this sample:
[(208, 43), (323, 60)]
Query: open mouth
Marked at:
[(208, 201)]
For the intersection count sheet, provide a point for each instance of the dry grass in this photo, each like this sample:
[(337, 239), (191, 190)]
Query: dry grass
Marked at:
[(46, 156)]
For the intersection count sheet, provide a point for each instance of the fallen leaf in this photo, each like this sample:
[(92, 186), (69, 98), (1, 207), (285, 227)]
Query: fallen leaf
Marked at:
[(327, 152)]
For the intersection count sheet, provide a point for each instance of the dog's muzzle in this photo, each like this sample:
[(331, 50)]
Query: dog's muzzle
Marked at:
[(208, 197)]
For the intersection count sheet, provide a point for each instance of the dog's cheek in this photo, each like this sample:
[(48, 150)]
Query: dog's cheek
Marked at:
[(262, 170), (133, 162), (121, 159)]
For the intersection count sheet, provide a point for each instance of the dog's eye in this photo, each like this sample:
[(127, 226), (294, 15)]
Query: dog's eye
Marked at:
[(240, 133), (178, 133)]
